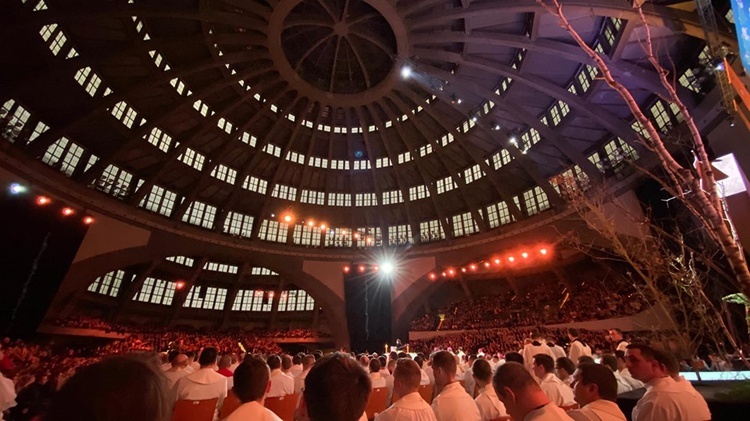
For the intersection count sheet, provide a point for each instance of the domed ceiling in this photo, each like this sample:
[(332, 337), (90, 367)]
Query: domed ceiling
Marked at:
[(384, 121)]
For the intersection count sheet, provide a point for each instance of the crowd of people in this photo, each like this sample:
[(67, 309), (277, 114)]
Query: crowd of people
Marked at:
[(542, 303), (541, 380)]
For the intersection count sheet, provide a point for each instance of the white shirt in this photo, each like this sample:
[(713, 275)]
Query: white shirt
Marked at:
[(622, 385), (174, 375), (377, 380), (281, 384), (622, 346), (454, 404), (558, 392), (633, 383), (295, 370), (558, 351), (425, 380), (430, 374), (7, 394), (665, 399), (409, 408), (469, 382), (549, 412), (489, 405), (299, 382), (578, 350), (599, 410), (389, 384), (252, 411), (530, 350), (203, 384)]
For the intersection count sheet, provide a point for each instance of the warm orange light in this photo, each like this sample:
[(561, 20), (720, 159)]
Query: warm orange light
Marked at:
[(443, 274), (473, 266), (433, 276), (88, 220), (451, 272), (179, 285), (486, 264), (375, 268), (525, 255), (356, 236), (310, 223), (361, 268), (543, 251), (347, 269), (322, 226), (511, 258), (497, 261), (68, 211), (43, 200), (463, 270), (288, 218)]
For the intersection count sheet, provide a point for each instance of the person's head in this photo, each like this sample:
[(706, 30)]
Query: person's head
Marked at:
[(374, 365), (180, 361), (383, 361), (610, 361), (564, 367), (592, 382), (297, 359), (208, 357), (572, 333), (225, 361), (286, 363), (419, 360), (443, 367), (615, 334), (517, 390), (334, 376), (391, 366), (116, 388), (274, 362), (642, 363), (406, 377), (621, 365), (308, 361), (543, 365), (514, 357), (585, 359), (172, 354), (191, 356), (482, 372), (251, 380), (669, 363)]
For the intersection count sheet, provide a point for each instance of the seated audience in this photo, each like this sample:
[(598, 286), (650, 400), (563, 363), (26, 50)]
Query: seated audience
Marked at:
[(205, 383), (281, 384), (522, 396), (622, 370), (177, 370), (452, 402), (251, 383), (595, 389), (490, 407), (410, 407), (565, 369), (558, 392), (116, 388), (664, 398), (375, 377), (299, 381), (336, 389), (224, 362), (610, 361)]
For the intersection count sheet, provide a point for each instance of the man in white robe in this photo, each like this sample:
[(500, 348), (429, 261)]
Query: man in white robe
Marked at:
[(281, 384), (410, 407), (595, 389), (452, 402), (177, 370), (489, 405), (251, 382), (203, 384), (577, 348), (558, 392), (536, 346)]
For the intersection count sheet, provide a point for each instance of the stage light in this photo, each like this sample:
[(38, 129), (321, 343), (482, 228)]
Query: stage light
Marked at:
[(88, 220), (273, 215), (463, 270), (375, 268), (406, 72), (288, 218), (310, 223), (16, 188), (543, 251), (361, 268), (497, 261), (443, 274), (451, 272), (513, 140), (433, 276), (323, 226), (43, 200), (473, 266), (347, 269), (511, 258), (525, 255), (179, 285), (356, 236), (486, 264), (387, 268), (68, 211)]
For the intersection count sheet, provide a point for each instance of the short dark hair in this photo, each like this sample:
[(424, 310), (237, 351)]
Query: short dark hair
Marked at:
[(566, 364), (513, 376), (419, 360), (121, 387), (620, 355), (514, 357), (208, 356), (545, 361), (609, 360), (286, 362), (297, 359), (374, 365), (445, 361), (669, 361), (573, 331), (617, 329), (251, 379), (172, 355), (482, 370), (602, 377), (308, 360), (409, 373), (648, 352), (585, 359), (336, 372), (274, 362)]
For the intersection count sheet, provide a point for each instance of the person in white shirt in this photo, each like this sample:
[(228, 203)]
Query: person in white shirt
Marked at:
[(469, 382), (286, 367), (299, 381), (595, 389), (281, 385), (375, 377), (235, 362), (192, 365), (177, 371), (411, 406), (251, 383), (167, 360), (622, 370), (610, 361), (390, 380), (664, 398), (7, 394), (558, 392), (672, 366), (452, 402), (564, 368), (535, 347), (296, 365), (577, 348), (615, 335), (557, 350), (337, 387), (205, 383), (523, 398), (425, 378), (383, 367), (489, 405)]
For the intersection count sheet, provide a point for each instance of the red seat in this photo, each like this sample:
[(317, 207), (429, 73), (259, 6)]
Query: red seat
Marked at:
[(190, 410), (283, 406)]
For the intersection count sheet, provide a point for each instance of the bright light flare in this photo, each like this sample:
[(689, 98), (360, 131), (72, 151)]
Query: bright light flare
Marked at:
[(387, 268), (543, 251), (88, 220), (179, 285), (433, 277), (347, 269), (406, 72), (43, 200), (288, 218), (497, 261), (511, 259), (16, 188), (473, 267), (525, 255), (68, 211), (361, 268)]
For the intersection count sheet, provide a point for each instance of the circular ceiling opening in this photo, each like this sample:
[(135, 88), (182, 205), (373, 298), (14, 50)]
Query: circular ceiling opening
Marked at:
[(339, 47)]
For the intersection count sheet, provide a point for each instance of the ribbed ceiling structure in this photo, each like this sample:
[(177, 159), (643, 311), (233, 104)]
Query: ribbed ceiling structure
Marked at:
[(227, 113)]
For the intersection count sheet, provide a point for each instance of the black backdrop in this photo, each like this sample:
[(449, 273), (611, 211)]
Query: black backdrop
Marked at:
[(30, 233), (368, 310)]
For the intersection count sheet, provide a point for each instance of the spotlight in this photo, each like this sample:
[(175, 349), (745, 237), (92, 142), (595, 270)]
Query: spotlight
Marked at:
[(356, 236), (68, 211), (288, 218), (543, 251), (16, 188), (496, 127), (443, 274), (497, 261), (88, 220), (310, 223), (463, 270), (513, 140), (43, 200), (433, 276), (375, 268), (347, 269), (486, 264), (387, 267), (473, 266), (451, 272), (361, 268), (717, 64), (406, 72), (525, 255), (323, 226), (273, 215), (511, 258), (179, 285)]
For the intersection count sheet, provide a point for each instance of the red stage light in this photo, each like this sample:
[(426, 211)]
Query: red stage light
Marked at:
[(486, 264), (43, 200), (463, 270), (179, 285), (497, 261), (451, 272), (68, 211), (433, 276), (511, 258), (347, 269), (375, 268), (543, 251), (361, 268), (524, 255), (323, 226), (473, 266), (88, 220), (443, 274)]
